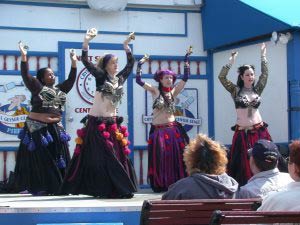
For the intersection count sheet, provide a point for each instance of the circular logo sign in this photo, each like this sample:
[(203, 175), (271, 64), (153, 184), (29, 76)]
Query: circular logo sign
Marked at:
[(86, 86)]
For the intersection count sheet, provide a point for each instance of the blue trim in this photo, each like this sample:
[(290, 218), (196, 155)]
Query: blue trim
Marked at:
[(18, 72), (210, 95), (9, 149), (43, 4), (145, 186), (84, 31), (30, 53), (293, 71), (178, 58), (79, 224), (127, 218), (79, 6), (140, 147), (180, 76), (185, 24), (161, 10)]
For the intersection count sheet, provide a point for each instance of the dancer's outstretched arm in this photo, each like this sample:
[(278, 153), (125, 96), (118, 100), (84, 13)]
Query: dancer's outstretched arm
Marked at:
[(67, 85), (33, 84), (186, 73), (262, 81), (138, 78), (227, 84)]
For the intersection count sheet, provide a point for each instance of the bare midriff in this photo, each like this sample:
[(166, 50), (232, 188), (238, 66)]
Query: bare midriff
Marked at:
[(102, 106), (45, 117), (244, 120)]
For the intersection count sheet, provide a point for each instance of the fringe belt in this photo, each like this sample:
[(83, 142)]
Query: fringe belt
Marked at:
[(253, 127)]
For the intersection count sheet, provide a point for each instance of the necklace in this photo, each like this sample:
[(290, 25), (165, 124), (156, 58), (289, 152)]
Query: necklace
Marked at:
[(167, 89), (247, 89)]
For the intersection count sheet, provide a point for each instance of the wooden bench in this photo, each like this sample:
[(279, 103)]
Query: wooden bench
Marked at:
[(182, 212), (254, 217)]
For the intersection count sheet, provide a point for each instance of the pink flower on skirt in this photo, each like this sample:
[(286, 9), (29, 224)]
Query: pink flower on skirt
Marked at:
[(106, 134), (77, 150), (127, 151), (101, 127), (81, 132), (123, 129), (114, 127)]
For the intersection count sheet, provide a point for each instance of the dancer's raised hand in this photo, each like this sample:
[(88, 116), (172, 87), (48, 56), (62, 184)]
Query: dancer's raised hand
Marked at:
[(90, 34), (233, 57)]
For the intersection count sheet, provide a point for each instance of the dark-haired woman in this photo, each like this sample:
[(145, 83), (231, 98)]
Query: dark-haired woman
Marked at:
[(249, 124), (100, 165), (167, 138), (43, 154)]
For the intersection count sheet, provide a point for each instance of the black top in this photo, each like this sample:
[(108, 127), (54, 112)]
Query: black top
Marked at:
[(45, 99), (101, 75)]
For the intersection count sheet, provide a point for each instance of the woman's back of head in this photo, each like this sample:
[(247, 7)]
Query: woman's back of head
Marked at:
[(206, 156)]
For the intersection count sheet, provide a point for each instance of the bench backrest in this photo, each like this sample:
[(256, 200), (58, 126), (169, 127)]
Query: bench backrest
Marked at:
[(254, 217), (182, 212)]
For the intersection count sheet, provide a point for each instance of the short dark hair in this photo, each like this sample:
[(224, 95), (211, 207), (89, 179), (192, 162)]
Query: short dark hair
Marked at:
[(40, 74), (264, 166)]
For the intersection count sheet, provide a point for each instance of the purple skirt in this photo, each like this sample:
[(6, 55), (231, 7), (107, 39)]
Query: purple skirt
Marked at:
[(242, 140), (165, 155), (100, 165)]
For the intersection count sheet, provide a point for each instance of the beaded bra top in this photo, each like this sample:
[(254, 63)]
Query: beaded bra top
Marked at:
[(52, 98), (114, 94), (242, 99), (159, 103)]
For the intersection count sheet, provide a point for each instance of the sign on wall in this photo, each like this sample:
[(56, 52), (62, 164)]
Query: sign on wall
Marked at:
[(14, 106)]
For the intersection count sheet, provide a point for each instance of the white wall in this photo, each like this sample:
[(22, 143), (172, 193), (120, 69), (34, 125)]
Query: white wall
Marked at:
[(73, 19), (274, 97)]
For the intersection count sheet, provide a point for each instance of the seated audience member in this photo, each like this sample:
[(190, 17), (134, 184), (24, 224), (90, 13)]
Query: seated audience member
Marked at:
[(266, 177), (206, 163), (287, 199)]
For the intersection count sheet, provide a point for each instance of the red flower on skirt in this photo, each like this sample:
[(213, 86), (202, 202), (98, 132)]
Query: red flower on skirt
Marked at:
[(101, 127), (106, 134), (182, 145), (77, 150)]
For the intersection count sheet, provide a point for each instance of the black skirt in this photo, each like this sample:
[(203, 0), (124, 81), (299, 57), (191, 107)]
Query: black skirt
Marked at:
[(100, 165), (42, 158)]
